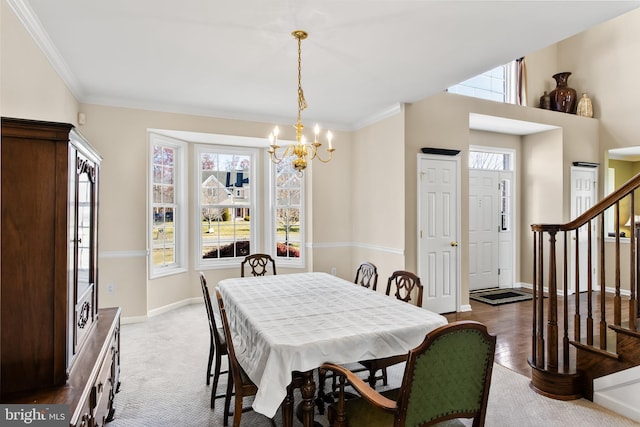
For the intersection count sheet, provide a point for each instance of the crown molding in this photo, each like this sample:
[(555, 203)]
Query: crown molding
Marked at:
[(32, 24), (379, 116)]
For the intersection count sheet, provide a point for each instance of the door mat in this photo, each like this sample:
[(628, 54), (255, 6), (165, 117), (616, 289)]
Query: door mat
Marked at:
[(500, 296)]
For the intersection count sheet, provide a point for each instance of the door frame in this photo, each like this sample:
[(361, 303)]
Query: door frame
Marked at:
[(455, 217), (515, 197), (571, 289)]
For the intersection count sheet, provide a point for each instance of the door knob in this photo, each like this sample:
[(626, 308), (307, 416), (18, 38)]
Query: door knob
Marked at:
[(454, 243)]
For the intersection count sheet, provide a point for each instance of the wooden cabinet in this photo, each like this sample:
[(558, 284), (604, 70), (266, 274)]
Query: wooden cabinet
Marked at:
[(49, 313)]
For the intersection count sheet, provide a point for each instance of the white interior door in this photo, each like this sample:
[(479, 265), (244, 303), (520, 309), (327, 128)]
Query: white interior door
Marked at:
[(438, 230), (583, 196)]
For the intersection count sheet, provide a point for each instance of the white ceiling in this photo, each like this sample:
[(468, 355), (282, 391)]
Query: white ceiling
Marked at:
[(237, 59)]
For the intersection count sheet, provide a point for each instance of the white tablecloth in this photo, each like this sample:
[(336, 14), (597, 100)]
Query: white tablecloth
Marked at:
[(296, 322)]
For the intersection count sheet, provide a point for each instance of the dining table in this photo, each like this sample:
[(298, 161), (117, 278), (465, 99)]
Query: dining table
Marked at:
[(293, 323)]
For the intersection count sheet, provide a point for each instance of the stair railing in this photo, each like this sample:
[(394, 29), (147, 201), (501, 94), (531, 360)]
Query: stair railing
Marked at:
[(551, 354)]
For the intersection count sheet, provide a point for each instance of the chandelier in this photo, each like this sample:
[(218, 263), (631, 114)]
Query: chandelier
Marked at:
[(301, 149)]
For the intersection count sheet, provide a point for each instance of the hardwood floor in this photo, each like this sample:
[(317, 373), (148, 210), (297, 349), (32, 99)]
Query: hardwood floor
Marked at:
[(512, 325)]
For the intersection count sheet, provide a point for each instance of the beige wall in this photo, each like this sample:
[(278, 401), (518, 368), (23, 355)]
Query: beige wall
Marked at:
[(30, 87), (442, 121), (377, 197), (374, 168)]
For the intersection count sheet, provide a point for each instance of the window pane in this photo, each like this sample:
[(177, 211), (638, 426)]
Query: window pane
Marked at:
[(225, 200), (489, 161), (287, 212), (164, 207), (492, 85)]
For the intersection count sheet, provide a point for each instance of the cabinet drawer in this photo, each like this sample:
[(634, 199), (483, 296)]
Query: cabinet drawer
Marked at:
[(103, 392)]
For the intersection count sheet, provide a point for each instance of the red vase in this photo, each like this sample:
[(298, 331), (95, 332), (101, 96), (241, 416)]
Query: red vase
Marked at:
[(563, 98)]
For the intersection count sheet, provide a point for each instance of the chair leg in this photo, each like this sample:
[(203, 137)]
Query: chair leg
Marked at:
[(237, 411), (384, 376), (227, 400), (372, 377), (216, 377), (287, 407), (211, 350)]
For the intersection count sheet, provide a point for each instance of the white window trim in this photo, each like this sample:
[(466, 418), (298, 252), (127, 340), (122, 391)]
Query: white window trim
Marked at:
[(180, 194), (223, 146), (271, 220)]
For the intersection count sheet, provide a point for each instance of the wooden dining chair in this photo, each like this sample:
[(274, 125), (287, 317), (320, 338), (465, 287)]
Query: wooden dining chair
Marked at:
[(241, 386), (259, 264), (367, 276), (217, 344), (405, 282), (447, 377), (239, 380)]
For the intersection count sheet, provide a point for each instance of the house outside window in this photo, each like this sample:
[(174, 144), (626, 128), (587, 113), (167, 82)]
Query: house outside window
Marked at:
[(167, 218), (288, 214), (226, 199)]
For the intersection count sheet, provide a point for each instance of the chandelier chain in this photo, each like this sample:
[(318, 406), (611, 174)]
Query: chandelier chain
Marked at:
[(300, 151), (302, 103)]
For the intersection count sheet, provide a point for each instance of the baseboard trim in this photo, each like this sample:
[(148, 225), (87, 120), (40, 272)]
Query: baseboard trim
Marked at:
[(133, 319), (465, 307), (173, 306)]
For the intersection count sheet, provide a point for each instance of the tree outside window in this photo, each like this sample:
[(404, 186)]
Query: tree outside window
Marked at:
[(226, 202)]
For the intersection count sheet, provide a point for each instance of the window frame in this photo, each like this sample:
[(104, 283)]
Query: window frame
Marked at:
[(288, 262), (510, 84), (254, 209), (180, 207)]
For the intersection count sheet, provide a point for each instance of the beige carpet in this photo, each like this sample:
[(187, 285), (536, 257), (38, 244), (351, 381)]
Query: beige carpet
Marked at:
[(163, 384)]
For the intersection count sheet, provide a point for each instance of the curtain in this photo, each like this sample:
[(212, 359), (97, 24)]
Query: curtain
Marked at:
[(521, 83)]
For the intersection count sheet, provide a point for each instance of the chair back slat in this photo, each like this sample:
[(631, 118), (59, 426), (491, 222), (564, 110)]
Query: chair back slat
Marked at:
[(405, 284), (367, 276), (213, 328), (259, 264)]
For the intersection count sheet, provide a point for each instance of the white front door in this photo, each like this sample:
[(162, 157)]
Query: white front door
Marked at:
[(491, 238), (438, 230), (484, 214), (583, 196)]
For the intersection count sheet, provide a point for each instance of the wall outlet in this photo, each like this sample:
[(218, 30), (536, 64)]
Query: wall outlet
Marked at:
[(333, 271), (110, 288)]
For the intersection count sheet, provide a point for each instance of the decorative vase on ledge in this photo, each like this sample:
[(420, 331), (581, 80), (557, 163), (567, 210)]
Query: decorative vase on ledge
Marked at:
[(563, 98), (585, 106)]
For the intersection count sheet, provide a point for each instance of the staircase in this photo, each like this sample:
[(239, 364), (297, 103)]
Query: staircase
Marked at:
[(597, 334), (620, 392)]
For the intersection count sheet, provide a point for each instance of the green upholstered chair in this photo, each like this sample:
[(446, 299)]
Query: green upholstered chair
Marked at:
[(446, 378)]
